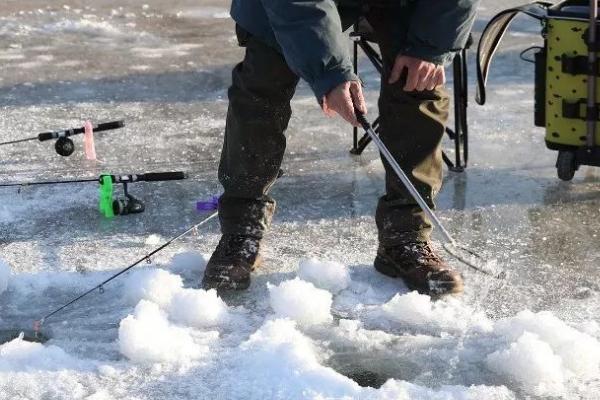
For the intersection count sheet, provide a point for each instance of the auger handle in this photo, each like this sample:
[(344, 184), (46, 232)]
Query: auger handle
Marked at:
[(106, 126)]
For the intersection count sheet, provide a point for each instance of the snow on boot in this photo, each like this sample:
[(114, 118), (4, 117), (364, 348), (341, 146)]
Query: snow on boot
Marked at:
[(229, 267), (420, 268)]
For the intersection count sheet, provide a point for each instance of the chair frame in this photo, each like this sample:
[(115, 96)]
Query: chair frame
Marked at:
[(459, 135)]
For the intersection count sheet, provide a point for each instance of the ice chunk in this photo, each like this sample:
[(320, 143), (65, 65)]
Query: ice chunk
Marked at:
[(580, 352), (396, 389), (531, 362), (156, 285), (328, 275), (21, 356), (4, 276), (198, 308), (301, 301), (417, 310), (147, 337), (292, 364)]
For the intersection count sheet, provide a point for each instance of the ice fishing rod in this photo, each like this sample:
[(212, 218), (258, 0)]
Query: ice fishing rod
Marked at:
[(65, 146), (451, 246), (109, 205), (100, 287)]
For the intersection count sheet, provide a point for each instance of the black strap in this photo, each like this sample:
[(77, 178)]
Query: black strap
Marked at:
[(576, 65), (492, 36), (574, 110)]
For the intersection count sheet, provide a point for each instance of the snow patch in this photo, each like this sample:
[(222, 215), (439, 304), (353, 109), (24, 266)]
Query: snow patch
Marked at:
[(156, 285), (198, 308), (301, 301), (147, 337), (328, 275)]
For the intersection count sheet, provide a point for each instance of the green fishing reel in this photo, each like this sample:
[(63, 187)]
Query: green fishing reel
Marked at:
[(110, 206)]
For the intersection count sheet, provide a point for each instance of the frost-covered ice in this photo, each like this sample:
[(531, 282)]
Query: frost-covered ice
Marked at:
[(4, 276), (301, 301), (325, 327), (153, 240)]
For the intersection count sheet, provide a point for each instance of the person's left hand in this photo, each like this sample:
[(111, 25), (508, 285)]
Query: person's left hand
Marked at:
[(421, 75)]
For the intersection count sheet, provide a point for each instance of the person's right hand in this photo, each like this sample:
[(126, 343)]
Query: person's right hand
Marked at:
[(343, 99)]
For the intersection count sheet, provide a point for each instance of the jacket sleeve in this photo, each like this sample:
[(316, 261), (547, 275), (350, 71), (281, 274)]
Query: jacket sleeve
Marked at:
[(310, 35), (439, 28)]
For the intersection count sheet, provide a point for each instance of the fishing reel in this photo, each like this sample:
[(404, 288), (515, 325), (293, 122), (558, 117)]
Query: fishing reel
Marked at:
[(64, 146), (128, 204), (111, 205)]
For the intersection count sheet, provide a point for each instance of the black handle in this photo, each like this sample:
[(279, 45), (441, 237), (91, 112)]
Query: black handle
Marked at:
[(162, 176), (47, 136), (106, 126)]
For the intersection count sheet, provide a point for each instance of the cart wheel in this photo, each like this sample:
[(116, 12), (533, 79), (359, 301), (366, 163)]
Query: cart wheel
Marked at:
[(565, 165)]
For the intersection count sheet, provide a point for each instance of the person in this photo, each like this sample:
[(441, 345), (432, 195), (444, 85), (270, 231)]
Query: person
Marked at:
[(286, 40)]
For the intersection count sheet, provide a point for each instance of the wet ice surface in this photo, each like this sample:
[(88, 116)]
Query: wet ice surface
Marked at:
[(164, 68)]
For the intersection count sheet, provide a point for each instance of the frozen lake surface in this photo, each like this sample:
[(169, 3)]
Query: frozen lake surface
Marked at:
[(318, 321)]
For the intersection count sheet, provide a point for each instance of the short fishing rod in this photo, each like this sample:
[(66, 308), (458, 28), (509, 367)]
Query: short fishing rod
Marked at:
[(451, 246), (110, 205), (65, 146)]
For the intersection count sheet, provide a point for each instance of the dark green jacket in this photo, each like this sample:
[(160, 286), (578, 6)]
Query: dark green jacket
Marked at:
[(310, 35)]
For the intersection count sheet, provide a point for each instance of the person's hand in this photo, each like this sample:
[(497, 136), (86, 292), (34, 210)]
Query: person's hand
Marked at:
[(421, 75), (343, 99)]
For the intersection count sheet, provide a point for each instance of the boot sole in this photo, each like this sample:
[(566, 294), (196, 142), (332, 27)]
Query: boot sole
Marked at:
[(388, 269)]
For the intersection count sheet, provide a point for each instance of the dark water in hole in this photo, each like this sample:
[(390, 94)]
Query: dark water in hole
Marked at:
[(6, 335), (372, 371), (366, 378)]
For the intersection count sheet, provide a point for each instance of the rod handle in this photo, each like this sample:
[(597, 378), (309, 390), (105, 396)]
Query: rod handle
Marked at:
[(162, 176), (107, 126)]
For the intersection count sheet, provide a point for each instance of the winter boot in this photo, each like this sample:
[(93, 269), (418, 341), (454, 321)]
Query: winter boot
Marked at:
[(229, 267), (420, 268)]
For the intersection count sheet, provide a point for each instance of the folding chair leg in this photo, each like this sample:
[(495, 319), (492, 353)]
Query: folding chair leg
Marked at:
[(460, 133)]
